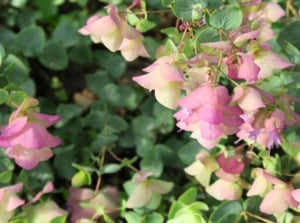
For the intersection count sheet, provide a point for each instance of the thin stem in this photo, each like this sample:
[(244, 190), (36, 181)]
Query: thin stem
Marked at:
[(120, 160), (99, 180), (142, 13), (258, 217)]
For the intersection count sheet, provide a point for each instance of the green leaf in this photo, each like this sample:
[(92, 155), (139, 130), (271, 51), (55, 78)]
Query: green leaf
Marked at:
[(46, 8), (172, 33), (4, 96), (131, 97), (31, 41), (152, 163), (103, 139), (5, 177), (153, 218), (16, 71), (145, 25), (18, 3), (290, 34), (65, 156), (189, 151), (2, 53), (292, 52), (54, 56), (7, 39), (227, 210), (81, 178), (132, 217), (189, 10), (208, 34), (27, 17), (113, 63), (291, 148), (214, 4), (163, 118), (228, 18), (17, 97), (154, 202), (187, 216), (66, 32), (167, 3), (81, 54), (59, 219), (67, 112), (188, 196), (97, 81), (116, 123), (111, 168)]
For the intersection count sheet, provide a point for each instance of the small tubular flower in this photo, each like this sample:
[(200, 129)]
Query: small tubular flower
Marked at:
[(263, 128)]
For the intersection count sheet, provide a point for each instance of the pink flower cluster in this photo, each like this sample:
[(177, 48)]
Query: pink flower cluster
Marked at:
[(277, 194), (206, 112), (25, 137), (206, 109), (115, 34)]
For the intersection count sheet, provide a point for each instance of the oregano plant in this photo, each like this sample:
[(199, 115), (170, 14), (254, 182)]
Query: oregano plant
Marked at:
[(214, 138)]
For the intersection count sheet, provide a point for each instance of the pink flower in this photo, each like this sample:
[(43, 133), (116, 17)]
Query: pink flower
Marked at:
[(268, 62), (166, 81), (202, 168), (264, 128), (227, 187), (244, 68), (230, 164), (9, 201), (44, 212), (143, 189), (267, 13), (277, 194), (107, 29), (249, 99), (296, 195), (132, 45), (83, 202), (25, 137), (206, 113)]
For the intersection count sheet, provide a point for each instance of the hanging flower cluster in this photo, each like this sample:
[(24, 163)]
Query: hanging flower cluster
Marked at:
[(26, 138), (211, 71)]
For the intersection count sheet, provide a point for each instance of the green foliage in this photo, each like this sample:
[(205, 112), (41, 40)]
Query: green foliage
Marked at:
[(228, 18), (113, 131), (189, 10)]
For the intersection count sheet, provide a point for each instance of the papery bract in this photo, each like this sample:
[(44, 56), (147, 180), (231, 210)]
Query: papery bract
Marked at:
[(202, 168), (145, 190), (268, 62), (230, 164), (206, 112), (44, 212), (277, 194), (248, 99), (107, 29), (245, 68), (132, 46), (25, 137), (106, 198), (226, 187), (9, 201), (166, 81)]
